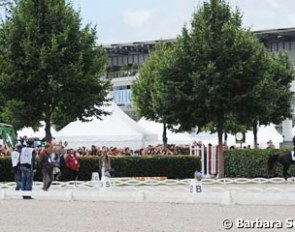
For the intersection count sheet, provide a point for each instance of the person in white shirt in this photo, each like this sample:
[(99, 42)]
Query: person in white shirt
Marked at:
[(27, 165), (15, 161)]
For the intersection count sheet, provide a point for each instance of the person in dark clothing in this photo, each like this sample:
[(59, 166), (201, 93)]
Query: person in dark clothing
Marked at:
[(47, 167)]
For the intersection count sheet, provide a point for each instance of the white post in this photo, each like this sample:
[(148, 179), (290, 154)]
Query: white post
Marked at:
[(287, 130), (207, 163), (202, 159)]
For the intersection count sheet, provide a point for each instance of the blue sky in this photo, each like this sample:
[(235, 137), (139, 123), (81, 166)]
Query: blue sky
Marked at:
[(121, 21)]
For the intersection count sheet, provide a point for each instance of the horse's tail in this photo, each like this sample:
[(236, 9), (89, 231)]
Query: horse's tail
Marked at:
[(271, 161)]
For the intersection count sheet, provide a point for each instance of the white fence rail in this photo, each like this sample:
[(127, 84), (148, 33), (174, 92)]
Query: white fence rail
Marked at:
[(124, 182), (275, 191)]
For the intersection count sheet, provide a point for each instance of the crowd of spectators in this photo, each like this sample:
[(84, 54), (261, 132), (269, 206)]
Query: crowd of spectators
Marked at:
[(94, 150), (149, 150)]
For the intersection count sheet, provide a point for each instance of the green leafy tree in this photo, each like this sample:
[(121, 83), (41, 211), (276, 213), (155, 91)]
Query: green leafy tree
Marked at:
[(50, 66), (271, 95), (151, 92), (222, 69)]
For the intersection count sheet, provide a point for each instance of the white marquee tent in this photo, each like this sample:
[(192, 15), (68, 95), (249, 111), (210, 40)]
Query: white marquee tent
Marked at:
[(39, 133), (157, 128), (115, 130), (264, 134)]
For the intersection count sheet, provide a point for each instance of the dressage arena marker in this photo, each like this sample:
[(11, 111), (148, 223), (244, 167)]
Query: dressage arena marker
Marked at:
[(105, 182), (258, 191), (95, 179), (196, 187)]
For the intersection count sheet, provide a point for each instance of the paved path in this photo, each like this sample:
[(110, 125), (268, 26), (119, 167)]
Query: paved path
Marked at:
[(61, 216)]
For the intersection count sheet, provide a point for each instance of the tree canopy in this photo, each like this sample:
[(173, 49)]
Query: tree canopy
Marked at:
[(50, 66), (229, 71), (151, 95), (219, 74)]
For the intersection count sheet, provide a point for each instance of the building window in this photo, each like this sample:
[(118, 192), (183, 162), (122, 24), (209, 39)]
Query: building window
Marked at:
[(281, 46), (130, 59), (110, 61), (136, 58), (287, 45), (268, 46), (114, 60), (125, 60), (275, 47), (141, 58), (146, 56)]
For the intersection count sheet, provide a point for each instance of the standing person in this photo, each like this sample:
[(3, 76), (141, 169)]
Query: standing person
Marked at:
[(47, 167), (270, 145), (27, 165), (105, 165), (72, 164), (55, 156), (15, 160)]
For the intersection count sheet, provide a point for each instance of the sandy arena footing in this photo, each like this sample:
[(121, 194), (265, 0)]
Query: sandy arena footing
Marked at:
[(78, 216), (173, 208)]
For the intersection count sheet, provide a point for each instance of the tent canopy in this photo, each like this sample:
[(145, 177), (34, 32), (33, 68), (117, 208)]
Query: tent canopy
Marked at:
[(39, 133), (115, 130), (173, 138), (264, 134)]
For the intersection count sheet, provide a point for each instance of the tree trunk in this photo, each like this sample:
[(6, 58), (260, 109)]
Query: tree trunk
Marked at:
[(220, 152), (255, 134), (225, 138), (164, 136), (48, 136)]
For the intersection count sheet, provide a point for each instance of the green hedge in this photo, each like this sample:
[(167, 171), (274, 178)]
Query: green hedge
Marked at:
[(174, 167), (248, 163), (251, 163), (5, 169)]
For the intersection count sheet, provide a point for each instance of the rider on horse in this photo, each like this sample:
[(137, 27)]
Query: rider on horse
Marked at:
[(284, 158)]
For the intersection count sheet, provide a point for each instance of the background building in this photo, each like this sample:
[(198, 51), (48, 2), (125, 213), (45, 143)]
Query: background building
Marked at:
[(278, 40), (124, 60)]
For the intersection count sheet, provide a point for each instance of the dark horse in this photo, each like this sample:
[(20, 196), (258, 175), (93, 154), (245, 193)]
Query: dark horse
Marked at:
[(284, 158)]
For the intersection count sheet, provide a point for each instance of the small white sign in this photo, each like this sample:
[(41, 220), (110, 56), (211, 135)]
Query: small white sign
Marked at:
[(196, 187), (95, 177), (105, 182)]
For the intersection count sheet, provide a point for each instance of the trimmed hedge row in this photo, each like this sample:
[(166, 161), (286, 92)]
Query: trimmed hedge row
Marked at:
[(174, 167), (248, 163), (251, 163)]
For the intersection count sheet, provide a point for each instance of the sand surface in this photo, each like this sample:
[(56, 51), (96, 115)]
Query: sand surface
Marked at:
[(74, 216)]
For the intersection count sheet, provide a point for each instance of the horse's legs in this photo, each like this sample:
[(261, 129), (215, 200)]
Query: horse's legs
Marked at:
[(285, 171)]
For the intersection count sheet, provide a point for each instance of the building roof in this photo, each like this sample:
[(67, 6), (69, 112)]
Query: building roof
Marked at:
[(146, 46), (136, 47), (272, 34)]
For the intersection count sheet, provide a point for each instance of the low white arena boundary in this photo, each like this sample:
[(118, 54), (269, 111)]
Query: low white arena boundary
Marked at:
[(261, 191)]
